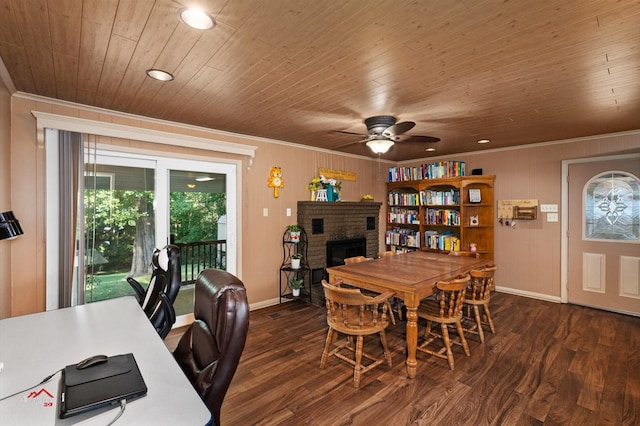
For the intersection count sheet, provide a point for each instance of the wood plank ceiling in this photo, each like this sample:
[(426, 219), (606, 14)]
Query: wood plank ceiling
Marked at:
[(515, 72)]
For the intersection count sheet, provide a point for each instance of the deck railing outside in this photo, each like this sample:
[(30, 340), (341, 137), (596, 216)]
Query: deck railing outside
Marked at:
[(194, 257)]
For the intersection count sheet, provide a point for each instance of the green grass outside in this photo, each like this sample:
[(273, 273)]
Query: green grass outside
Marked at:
[(109, 286)]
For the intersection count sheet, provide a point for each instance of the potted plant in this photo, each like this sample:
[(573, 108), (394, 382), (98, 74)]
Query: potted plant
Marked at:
[(295, 261), (314, 186), (296, 284), (294, 231)]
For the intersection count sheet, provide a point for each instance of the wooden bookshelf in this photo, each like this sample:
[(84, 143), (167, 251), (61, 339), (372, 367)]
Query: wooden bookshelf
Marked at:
[(441, 214)]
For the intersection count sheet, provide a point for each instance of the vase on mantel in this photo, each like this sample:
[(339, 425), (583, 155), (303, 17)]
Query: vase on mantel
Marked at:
[(330, 193)]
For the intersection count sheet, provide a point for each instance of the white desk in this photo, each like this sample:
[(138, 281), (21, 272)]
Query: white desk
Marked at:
[(34, 346)]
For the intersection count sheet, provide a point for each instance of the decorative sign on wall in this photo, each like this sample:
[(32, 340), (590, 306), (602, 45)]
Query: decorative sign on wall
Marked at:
[(337, 174), (517, 209)]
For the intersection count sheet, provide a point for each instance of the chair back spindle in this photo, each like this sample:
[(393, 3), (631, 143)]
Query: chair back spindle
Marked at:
[(451, 296)]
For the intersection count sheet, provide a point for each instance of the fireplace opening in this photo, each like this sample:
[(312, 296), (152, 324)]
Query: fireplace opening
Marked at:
[(338, 250)]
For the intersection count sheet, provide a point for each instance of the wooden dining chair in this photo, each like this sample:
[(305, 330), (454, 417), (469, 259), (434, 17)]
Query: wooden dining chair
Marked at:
[(477, 296), (353, 314), (357, 259), (387, 253), (445, 309), (354, 259)]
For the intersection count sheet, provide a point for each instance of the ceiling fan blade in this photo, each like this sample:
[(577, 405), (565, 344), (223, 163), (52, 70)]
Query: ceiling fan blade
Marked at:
[(398, 128), (416, 139), (349, 144), (343, 132)]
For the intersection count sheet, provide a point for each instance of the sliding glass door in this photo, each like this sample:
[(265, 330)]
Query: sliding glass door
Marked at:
[(119, 226), (136, 203), (198, 225), (129, 205)]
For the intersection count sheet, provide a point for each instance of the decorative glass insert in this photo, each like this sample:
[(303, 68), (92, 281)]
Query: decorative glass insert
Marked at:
[(612, 207)]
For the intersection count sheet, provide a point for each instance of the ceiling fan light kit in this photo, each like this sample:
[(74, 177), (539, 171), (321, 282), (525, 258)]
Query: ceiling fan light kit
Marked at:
[(384, 131), (380, 146)]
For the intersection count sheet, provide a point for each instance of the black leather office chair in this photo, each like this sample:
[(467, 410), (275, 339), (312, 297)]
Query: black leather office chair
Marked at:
[(164, 284), (210, 349)]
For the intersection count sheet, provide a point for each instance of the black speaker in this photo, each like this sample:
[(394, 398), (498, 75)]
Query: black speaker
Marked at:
[(476, 172)]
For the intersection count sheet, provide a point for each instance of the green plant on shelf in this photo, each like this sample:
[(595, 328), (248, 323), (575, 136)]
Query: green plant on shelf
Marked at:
[(296, 283)]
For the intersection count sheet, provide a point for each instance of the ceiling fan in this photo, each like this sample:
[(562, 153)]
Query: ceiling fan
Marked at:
[(384, 131)]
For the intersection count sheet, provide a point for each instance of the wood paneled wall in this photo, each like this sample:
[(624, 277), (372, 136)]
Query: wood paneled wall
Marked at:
[(260, 241), (528, 255)]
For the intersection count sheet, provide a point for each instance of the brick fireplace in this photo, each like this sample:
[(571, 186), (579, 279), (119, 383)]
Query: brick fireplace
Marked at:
[(343, 220)]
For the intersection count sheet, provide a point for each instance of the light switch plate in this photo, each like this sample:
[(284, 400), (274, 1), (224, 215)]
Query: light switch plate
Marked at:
[(288, 211), (265, 212), (552, 217), (549, 208)]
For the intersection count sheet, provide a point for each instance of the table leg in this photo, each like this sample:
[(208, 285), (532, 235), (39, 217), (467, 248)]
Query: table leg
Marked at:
[(412, 340)]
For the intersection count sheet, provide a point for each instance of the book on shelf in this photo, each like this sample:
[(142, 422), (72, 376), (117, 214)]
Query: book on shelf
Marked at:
[(445, 241), (437, 170), (402, 198), (439, 198), (402, 237), (403, 216), (447, 217)]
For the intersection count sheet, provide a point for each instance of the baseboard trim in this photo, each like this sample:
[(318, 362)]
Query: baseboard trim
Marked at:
[(530, 294), (264, 304)]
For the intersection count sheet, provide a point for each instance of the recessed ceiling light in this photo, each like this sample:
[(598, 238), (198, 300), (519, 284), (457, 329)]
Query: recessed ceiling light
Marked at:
[(430, 149), (198, 19), (484, 141), (159, 74)]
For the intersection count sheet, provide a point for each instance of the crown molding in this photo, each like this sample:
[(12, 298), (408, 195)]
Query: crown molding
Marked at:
[(526, 146), (155, 122)]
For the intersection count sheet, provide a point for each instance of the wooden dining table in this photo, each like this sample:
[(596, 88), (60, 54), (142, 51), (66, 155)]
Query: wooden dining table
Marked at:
[(412, 276)]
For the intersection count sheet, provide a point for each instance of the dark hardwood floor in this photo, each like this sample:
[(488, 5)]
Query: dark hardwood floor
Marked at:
[(547, 364)]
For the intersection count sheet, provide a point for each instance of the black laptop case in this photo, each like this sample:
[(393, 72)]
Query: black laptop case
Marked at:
[(100, 385)]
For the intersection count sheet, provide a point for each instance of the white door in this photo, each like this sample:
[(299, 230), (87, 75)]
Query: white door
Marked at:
[(604, 234)]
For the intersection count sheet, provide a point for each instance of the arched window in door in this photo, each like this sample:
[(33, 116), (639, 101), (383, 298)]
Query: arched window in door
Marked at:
[(612, 207)]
